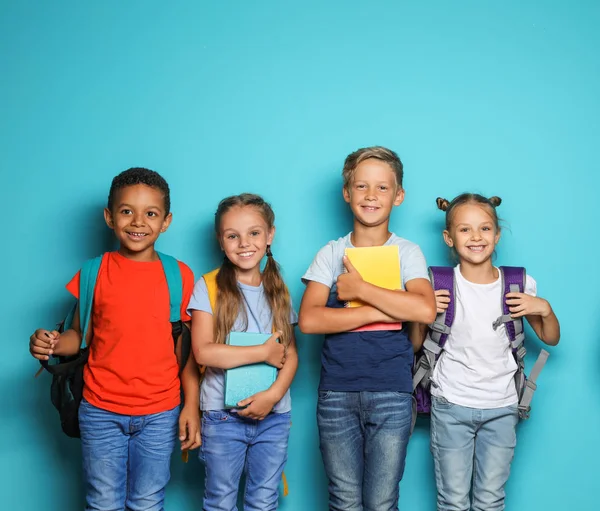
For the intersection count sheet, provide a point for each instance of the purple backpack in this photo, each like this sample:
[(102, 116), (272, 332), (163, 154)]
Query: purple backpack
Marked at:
[(513, 281)]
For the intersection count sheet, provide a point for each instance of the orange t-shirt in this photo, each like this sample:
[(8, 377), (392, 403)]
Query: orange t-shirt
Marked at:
[(132, 368)]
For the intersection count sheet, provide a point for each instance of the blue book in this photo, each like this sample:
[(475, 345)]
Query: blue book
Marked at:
[(245, 381)]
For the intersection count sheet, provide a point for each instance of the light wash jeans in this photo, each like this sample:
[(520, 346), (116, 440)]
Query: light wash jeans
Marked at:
[(126, 458), (472, 451), (231, 445), (363, 437)]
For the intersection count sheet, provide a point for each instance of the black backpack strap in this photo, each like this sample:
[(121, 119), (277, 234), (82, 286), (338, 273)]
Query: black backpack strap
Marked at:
[(180, 331), (186, 346)]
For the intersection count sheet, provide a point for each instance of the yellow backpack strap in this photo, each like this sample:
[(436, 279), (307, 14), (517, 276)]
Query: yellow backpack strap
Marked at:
[(211, 286), (285, 485), (210, 279)]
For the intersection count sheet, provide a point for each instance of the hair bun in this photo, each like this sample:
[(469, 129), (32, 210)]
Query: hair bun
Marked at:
[(442, 203), (495, 201)]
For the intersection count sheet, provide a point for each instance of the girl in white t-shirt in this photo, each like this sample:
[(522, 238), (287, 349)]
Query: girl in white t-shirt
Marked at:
[(474, 399)]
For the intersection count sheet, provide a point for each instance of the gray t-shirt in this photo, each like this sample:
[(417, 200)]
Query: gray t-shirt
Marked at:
[(328, 265), (260, 320)]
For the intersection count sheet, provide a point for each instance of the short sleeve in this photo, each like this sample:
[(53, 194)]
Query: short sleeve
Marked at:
[(199, 300), (293, 315), (530, 286), (321, 269), (187, 276), (413, 265), (73, 285)]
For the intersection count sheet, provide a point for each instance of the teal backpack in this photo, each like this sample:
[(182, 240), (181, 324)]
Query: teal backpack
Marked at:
[(67, 372)]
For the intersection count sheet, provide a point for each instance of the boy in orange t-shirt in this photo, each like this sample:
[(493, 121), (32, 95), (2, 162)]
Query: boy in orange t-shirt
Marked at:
[(130, 411)]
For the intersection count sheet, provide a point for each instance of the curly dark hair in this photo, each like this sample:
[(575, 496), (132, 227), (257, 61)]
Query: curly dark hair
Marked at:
[(140, 176)]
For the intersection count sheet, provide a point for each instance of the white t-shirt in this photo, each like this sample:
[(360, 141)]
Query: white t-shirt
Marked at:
[(476, 368)]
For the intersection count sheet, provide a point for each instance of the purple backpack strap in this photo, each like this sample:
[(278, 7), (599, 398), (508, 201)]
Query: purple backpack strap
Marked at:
[(513, 281), (442, 277)]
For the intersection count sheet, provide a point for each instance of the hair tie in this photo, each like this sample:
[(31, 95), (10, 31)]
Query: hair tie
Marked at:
[(269, 253)]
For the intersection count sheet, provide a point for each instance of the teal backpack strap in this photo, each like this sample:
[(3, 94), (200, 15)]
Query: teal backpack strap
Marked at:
[(87, 285), (175, 283), (179, 331)]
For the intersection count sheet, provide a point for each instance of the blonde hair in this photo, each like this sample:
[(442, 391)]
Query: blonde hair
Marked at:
[(229, 298), (379, 153)]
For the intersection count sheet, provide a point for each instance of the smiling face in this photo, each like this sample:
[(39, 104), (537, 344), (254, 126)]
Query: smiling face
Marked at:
[(473, 233), (373, 192), (138, 218), (244, 235)]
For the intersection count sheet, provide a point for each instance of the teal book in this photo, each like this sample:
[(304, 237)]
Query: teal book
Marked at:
[(245, 381)]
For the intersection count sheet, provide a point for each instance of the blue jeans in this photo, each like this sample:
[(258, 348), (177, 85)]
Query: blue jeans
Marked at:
[(126, 458), (472, 451), (231, 445), (363, 440)]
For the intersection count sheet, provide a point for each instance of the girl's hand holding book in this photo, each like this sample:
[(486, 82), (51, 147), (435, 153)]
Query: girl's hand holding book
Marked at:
[(274, 351), (258, 406)]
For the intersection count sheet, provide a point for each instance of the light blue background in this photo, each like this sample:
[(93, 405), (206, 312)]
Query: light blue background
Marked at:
[(225, 97)]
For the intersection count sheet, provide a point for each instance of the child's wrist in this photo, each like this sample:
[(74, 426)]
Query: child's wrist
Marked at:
[(362, 289), (191, 398), (264, 354), (274, 395), (191, 403)]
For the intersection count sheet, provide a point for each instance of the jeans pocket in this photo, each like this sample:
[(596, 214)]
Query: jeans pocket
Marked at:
[(84, 406), (441, 403), (87, 413), (215, 416), (324, 394), (513, 408), (285, 416)]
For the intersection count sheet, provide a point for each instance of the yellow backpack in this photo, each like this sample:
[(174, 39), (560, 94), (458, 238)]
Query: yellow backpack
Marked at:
[(211, 286)]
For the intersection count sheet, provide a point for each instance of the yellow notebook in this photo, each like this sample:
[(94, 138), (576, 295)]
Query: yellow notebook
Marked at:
[(379, 266)]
